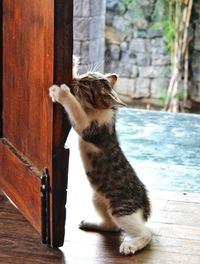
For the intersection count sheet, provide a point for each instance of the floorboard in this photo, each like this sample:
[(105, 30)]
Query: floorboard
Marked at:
[(174, 224)]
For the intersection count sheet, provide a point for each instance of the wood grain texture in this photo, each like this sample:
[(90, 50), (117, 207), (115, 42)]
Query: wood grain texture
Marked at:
[(1, 68), (63, 45), (174, 224), (172, 242), (27, 110), (27, 75), (37, 51), (19, 242), (26, 195)]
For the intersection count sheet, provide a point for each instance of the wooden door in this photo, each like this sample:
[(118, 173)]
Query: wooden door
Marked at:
[(36, 51)]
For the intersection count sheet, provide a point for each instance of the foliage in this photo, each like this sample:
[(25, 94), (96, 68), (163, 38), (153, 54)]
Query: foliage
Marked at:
[(125, 3), (163, 17), (173, 18), (134, 6), (163, 95)]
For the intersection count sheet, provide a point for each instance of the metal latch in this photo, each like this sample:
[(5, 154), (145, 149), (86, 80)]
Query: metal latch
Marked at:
[(45, 207)]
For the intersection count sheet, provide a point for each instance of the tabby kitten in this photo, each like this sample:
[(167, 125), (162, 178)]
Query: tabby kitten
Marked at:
[(119, 196)]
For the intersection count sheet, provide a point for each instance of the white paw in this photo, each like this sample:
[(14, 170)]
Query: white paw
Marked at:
[(127, 248), (64, 88), (54, 91), (58, 93)]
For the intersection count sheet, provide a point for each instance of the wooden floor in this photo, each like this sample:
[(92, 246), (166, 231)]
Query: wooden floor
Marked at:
[(175, 224)]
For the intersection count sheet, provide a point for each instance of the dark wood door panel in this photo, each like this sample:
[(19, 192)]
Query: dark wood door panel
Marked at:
[(36, 52), (63, 48), (26, 195), (28, 39), (1, 68)]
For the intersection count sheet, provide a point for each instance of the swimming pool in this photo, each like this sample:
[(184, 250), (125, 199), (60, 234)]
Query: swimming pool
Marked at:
[(163, 148)]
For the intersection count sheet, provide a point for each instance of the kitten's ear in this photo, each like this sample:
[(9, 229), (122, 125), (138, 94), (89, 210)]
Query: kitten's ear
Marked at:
[(112, 78), (115, 99)]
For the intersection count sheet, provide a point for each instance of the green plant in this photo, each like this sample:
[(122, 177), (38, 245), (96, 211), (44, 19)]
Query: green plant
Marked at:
[(134, 6), (163, 95), (173, 18), (125, 3), (164, 19), (175, 27)]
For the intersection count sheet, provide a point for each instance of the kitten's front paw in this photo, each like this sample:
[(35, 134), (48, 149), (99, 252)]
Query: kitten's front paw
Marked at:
[(57, 93), (54, 92), (64, 88)]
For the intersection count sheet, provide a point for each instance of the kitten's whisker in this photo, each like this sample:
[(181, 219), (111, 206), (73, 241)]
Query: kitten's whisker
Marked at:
[(90, 67), (94, 67), (101, 64)]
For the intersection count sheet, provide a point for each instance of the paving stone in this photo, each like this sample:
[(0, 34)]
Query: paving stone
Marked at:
[(114, 52), (158, 86), (112, 4), (142, 88), (114, 36), (77, 48), (98, 8), (160, 59), (77, 8), (125, 86), (81, 28), (86, 8), (120, 23), (153, 71), (97, 27), (140, 45), (143, 59)]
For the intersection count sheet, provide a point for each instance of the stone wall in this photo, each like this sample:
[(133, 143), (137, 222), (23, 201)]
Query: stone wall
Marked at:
[(133, 47), (137, 51), (89, 27)]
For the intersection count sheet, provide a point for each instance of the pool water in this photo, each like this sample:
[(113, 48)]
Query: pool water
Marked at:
[(163, 148)]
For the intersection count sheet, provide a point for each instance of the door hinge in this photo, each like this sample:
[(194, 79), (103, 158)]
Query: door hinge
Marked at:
[(45, 207)]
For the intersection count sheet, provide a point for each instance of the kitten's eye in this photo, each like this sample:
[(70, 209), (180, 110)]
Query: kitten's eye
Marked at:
[(86, 83)]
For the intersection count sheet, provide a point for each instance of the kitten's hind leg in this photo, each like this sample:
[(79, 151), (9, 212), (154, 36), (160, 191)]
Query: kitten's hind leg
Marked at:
[(134, 226), (106, 223)]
